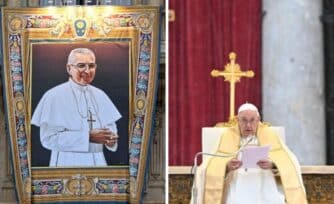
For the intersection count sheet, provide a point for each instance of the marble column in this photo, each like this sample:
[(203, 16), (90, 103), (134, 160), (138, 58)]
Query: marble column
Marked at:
[(293, 81), (7, 191)]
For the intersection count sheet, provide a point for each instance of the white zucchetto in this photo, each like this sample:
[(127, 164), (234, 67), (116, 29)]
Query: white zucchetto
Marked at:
[(247, 106)]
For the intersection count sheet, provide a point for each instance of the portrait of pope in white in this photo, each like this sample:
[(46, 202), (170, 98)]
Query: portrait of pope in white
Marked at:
[(78, 121)]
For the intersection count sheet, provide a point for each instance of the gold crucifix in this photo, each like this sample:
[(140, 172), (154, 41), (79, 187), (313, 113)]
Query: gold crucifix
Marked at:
[(232, 74)]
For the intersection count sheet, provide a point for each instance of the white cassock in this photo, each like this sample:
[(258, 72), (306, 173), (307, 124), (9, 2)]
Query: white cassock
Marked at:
[(252, 186), (63, 116)]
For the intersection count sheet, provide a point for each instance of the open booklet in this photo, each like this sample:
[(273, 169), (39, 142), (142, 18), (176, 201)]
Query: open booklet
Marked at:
[(250, 155)]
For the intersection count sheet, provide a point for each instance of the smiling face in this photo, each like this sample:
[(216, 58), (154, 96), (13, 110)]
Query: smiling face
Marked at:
[(248, 121), (81, 67)]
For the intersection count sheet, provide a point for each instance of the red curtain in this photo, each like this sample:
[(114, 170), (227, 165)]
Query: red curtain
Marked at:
[(200, 39)]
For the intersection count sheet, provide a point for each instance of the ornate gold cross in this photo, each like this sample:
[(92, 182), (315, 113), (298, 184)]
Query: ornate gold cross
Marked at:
[(232, 74)]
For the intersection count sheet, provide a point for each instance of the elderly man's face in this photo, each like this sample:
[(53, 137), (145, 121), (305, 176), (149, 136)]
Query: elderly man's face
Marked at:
[(248, 121), (83, 69)]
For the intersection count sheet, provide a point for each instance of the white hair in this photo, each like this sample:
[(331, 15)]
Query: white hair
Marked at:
[(71, 57)]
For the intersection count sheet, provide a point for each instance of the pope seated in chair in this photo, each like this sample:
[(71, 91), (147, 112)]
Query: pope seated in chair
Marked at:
[(276, 180)]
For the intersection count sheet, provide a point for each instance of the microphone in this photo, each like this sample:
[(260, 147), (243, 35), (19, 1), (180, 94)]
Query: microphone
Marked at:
[(219, 155), (222, 155), (194, 169)]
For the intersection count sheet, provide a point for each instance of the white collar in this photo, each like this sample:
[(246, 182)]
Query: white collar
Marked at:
[(249, 140)]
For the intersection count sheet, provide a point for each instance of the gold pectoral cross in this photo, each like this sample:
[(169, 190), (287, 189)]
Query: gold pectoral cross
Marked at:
[(90, 120), (232, 74)]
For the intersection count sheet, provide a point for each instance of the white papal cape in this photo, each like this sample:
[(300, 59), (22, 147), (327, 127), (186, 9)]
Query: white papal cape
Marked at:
[(62, 115)]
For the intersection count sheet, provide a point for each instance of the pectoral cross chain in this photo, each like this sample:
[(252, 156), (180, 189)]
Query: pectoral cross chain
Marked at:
[(90, 120)]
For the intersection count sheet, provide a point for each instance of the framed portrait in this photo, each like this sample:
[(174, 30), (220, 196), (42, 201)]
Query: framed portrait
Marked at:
[(38, 43)]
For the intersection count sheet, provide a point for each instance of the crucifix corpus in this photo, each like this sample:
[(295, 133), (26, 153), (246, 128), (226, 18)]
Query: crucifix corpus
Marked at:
[(232, 74)]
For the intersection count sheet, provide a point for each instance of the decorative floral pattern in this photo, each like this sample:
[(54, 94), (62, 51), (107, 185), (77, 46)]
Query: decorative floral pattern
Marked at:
[(47, 187), (120, 186), (18, 92)]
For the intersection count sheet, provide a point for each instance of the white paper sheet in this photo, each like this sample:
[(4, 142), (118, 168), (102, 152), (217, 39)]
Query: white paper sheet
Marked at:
[(252, 154)]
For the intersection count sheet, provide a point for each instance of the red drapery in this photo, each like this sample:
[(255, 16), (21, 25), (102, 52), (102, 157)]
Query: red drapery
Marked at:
[(200, 39)]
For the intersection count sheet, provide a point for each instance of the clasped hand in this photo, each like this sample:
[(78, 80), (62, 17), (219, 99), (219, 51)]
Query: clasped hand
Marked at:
[(235, 164), (103, 136)]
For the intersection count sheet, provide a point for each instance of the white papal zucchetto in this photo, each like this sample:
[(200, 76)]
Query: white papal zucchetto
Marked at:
[(247, 106)]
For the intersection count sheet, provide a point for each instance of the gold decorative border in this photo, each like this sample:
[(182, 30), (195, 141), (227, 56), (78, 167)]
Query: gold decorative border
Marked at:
[(69, 24), (81, 182)]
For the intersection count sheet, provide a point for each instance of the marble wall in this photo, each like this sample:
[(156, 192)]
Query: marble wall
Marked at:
[(293, 75)]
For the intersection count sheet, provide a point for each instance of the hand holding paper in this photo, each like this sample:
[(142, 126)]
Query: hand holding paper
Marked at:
[(265, 164), (252, 154)]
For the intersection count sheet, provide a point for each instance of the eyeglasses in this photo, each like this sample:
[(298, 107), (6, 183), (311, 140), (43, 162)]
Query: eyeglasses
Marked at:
[(84, 65), (244, 121)]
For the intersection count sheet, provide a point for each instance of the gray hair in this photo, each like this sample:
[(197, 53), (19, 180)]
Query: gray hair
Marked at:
[(85, 51)]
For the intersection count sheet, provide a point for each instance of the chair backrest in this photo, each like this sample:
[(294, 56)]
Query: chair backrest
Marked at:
[(211, 136)]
